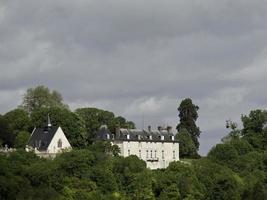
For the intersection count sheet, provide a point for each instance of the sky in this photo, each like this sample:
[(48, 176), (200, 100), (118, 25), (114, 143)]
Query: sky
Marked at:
[(139, 58)]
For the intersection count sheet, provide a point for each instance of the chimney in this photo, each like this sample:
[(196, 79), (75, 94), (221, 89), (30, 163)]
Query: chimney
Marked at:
[(149, 128), (117, 129), (159, 128), (169, 129)]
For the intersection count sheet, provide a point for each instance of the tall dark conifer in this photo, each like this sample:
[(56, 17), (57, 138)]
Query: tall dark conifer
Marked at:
[(188, 116)]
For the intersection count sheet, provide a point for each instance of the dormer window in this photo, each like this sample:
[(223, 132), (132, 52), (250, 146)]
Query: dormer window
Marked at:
[(162, 137), (128, 137), (139, 137), (150, 137), (172, 137), (107, 136)]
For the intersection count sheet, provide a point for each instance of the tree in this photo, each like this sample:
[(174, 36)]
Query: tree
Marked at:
[(21, 139), (188, 116), (255, 131), (94, 118), (171, 192), (183, 177), (18, 120), (186, 146), (15, 121), (41, 97), (255, 122), (6, 135), (223, 153)]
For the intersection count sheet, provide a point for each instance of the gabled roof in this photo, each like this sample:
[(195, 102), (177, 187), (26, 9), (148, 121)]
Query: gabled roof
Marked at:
[(135, 135), (41, 137)]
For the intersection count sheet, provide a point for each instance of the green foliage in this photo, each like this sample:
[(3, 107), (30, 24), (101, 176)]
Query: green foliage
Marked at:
[(21, 139), (18, 120), (94, 118), (241, 146), (179, 176), (171, 192), (11, 124), (255, 122), (219, 181), (188, 116), (223, 153), (41, 97), (187, 148), (6, 135)]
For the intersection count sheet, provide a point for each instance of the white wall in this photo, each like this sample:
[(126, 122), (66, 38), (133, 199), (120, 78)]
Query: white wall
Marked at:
[(143, 150), (53, 146)]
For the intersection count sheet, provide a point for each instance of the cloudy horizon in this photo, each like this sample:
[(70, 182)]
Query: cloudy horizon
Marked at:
[(139, 59)]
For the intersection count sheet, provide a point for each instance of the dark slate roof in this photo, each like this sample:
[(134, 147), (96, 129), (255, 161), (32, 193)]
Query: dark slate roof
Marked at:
[(103, 133), (45, 135), (135, 135)]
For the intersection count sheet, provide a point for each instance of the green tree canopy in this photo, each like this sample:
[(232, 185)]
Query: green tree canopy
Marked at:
[(94, 118), (41, 97), (186, 146), (188, 116), (21, 139), (18, 120), (223, 153), (6, 135), (11, 124), (254, 122)]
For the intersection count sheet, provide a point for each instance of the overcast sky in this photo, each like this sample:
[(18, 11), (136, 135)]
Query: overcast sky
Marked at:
[(139, 58)]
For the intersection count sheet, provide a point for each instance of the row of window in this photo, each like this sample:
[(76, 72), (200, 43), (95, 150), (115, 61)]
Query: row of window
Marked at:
[(152, 153), (161, 137), (38, 143)]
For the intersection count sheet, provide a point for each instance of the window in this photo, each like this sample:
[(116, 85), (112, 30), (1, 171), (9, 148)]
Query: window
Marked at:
[(59, 143), (155, 153), (162, 154), (173, 156), (140, 153), (151, 152), (146, 153), (129, 152)]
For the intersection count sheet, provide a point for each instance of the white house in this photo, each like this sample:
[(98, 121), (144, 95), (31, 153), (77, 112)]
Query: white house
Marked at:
[(48, 140), (156, 147)]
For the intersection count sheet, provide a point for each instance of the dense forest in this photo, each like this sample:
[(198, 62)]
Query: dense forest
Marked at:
[(234, 169)]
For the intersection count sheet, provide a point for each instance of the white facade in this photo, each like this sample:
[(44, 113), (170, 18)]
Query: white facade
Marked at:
[(156, 154), (58, 143)]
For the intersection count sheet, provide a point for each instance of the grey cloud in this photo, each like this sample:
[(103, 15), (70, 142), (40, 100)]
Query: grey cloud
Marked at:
[(139, 58)]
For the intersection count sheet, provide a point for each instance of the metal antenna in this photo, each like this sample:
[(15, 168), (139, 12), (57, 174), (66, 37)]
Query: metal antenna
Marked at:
[(143, 121)]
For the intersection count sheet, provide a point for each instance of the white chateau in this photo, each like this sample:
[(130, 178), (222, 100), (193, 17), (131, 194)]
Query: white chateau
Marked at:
[(156, 147), (48, 140)]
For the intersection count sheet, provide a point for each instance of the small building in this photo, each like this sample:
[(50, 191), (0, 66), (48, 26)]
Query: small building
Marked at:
[(48, 140), (156, 147)]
